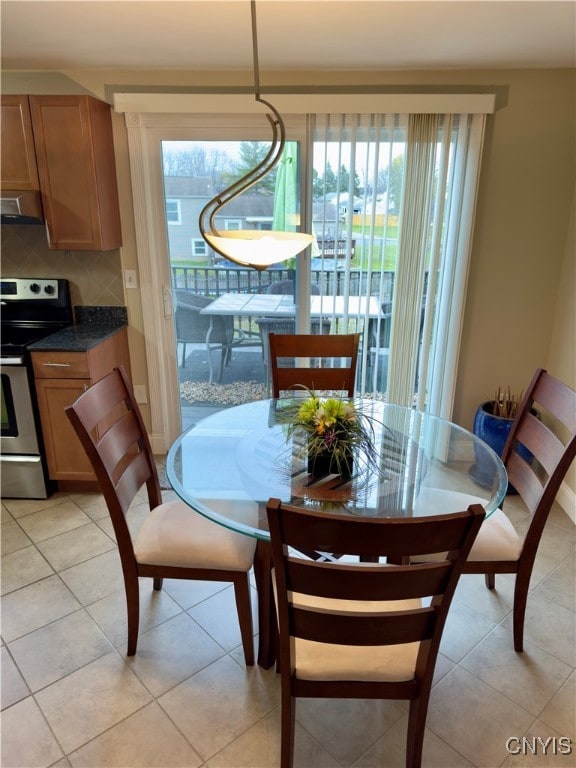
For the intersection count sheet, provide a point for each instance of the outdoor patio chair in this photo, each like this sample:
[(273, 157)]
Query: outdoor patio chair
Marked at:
[(174, 541), (194, 328), (363, 630)]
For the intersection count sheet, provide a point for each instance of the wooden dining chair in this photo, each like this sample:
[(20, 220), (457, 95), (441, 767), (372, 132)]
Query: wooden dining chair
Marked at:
[(545, 425), (174, 541), (362, 629), (336, 357)]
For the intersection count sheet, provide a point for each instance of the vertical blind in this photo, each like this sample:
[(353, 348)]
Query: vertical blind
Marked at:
[(397, 192)]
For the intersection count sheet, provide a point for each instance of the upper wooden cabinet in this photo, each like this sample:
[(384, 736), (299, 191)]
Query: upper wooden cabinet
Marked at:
[(18, 154), (73, 144)]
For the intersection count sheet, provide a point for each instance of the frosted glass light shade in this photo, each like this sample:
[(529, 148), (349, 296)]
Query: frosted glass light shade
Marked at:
[(258, 248)]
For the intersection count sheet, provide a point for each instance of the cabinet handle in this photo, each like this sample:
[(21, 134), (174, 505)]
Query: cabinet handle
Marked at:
[(57, 365)]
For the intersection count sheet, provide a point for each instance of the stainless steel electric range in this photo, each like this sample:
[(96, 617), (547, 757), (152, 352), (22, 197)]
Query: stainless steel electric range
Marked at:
[(32, 308)]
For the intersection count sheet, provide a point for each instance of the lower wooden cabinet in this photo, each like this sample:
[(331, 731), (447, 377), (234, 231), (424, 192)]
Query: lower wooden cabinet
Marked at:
[(60, 378)]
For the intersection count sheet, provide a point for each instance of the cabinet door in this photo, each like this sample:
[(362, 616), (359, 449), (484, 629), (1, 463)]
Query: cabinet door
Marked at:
[(65, 455), (18, 155), (76, 167)]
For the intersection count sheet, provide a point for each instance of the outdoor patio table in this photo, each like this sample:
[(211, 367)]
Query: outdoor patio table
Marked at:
[(229, 464), (281, 305)]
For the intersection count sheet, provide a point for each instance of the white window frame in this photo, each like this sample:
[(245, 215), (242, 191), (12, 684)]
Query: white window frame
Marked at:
[(178, 211), (199, 247), (233, 225)]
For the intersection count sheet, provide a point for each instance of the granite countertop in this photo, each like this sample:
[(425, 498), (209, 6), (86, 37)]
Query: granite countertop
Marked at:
[(93, 325)]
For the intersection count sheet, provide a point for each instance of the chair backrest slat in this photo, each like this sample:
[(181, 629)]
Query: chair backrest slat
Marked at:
[(341, 581), (385, 628)]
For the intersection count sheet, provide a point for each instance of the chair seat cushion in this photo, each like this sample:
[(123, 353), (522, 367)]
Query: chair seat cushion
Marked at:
[(174, 534), (326, 661), (497, 539)]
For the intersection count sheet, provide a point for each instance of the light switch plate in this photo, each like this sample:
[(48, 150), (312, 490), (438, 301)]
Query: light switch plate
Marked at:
[(140, 393), (130, 278)]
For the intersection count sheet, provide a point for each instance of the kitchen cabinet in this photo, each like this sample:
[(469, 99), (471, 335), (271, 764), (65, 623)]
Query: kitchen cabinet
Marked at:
[(19, 172), (60, 377), (74, 159)]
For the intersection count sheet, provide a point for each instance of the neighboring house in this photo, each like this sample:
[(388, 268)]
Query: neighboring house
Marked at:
[(185, 198)]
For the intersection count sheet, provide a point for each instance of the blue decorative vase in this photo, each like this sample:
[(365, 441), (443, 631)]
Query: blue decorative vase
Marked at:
[(494, 430)]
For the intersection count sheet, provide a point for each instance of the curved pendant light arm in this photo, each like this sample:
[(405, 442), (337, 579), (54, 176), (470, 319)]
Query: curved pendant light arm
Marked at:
[(253, 248), (253, 176)]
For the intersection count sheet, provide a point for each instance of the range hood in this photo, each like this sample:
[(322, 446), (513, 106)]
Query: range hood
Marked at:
[(18, 207)]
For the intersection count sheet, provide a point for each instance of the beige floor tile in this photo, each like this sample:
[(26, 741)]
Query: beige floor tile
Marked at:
[(91, 700), (75, 546), (58, 649), (474, 719), (541, 747), (156, 606), (12, 537), (27, 741), (556, 544), (560, 713), (96, 578), (346, 728), (13, 687), (53, 521), (259, 747), (219, 703), (34, 606), (93, 504), (189, 593), (560, 585), (494, 603), (390, 751), (464, 628), (146, 739), (22, 568), (495, 661), (22, 507), (171, 652), (550, 626), (5, 516), (219, 617)]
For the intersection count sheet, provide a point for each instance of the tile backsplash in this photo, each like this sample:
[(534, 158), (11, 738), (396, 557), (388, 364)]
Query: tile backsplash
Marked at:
[(95, 276)]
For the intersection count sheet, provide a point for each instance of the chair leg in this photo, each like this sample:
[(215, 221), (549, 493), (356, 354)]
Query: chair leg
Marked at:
[(415, 736), (244, 608), (288, 714), (490, 580), (519, 612), (183, 354), (133, 610), (158, 581)]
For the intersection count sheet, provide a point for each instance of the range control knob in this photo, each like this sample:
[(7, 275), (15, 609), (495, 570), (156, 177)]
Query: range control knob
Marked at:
[(49, 289), (35, 288)]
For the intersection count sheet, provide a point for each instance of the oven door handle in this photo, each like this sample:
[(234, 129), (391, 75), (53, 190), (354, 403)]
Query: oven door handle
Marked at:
[(12, 361), (57, 365)]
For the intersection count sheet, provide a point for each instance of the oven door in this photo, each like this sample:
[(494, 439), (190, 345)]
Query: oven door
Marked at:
[(22, 468), (18, 427)]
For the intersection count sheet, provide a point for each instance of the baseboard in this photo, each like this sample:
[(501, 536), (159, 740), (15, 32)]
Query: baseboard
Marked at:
[(566, 497)]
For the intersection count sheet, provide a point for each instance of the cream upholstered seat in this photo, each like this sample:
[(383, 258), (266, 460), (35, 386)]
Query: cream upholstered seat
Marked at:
[(363, 629), (174, 535), (174, 541)]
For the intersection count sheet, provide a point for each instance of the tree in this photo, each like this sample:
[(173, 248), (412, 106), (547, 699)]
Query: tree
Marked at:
[(198, 162), (395, 183), (251, 154)]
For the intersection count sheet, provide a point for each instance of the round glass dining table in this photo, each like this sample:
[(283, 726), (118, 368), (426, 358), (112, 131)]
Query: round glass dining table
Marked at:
[(229, 464)]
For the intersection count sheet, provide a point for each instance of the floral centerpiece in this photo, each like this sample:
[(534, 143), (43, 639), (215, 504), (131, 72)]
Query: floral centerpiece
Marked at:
[(335, 429)]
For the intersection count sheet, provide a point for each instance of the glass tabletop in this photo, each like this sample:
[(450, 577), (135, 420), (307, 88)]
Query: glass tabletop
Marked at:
[(229, 464)]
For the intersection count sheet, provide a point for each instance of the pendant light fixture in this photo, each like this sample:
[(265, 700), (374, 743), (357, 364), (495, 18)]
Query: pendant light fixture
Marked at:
[(253, 247)]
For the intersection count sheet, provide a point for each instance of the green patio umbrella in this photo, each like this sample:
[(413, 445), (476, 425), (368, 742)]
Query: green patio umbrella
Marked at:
[(286, 216)]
